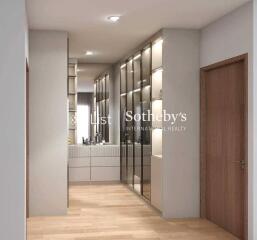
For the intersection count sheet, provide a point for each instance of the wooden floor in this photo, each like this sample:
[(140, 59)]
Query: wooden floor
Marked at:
[(112, 212)]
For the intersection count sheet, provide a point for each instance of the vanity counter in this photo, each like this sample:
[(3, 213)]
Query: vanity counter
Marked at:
[(94, 163)]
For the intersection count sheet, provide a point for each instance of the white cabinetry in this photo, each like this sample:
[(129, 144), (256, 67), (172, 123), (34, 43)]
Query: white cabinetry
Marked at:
[(156, 184), (94, 163)]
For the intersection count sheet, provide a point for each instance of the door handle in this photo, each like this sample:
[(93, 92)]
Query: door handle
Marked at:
[(242, 163)]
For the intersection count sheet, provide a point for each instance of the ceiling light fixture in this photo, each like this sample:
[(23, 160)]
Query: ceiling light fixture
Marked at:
[(89, 53), (114, 18)]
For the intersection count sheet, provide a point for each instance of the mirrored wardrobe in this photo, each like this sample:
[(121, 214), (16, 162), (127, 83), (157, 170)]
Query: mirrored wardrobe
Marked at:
[(137, 80)]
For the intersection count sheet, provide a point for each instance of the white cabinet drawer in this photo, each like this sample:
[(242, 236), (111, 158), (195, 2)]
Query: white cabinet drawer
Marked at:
[(77, 151), (79, 162), (84, 151), (105, 150), (105, 173), (79, 174), (105, 161)]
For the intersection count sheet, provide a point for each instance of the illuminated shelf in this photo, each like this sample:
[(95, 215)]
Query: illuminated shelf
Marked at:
[(101, 106), (72, 102), (157, 96), (136, 89)]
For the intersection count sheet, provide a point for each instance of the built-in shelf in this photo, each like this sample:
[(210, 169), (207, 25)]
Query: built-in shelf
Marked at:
[(156, 99), (157, 96), (157, 69), (157, 131), (136, 94), (72, 102), (101, 106)]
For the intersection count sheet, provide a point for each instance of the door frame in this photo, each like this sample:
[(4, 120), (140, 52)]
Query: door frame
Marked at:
[(203, 71), (27, 139)]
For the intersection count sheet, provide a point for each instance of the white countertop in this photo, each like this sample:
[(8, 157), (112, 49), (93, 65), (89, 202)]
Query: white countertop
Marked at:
[(80, 150)]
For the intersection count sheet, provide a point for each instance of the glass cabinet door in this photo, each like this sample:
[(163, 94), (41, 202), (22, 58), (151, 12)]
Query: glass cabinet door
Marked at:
[(107, 80), (123, 87), (135, 135), (123, 133), (137, 124), (103, 119), (146, 66), (130, 131), (146, 123)]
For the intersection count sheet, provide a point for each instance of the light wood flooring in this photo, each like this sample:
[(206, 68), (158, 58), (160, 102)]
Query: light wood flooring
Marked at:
[(112, 212)]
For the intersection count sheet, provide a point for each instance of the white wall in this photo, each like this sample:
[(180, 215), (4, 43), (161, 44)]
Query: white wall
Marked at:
[(253, 190), (48, 122), (12, 121), (181, 188), (229, 37)]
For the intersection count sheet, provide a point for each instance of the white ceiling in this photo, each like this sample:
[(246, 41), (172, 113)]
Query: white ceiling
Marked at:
[(86, 75), (88, 28)]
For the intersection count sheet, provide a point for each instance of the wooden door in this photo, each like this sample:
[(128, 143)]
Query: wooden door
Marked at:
[(223, 144)]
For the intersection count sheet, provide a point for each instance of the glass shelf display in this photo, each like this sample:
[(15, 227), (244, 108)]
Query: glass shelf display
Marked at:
[(72, 121), (123, 124), (72, 85), (137, 143), (123, 78), (72, 102), (157, 113), (130, 138), (72, 70), (72, 136), (157, 54), (141, 94), (137, 71), (101, 106), (157, 84), (157, 74), (146, 66)]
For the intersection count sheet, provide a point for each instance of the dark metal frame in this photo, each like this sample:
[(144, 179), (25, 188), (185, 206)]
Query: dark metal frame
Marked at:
[(101, 95)]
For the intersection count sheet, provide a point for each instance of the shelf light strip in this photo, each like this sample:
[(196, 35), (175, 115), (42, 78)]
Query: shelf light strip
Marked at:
[(123, 94), (160, 69), (123, 65), (142, 81), (137, 56), (137, 90), (158, 41)]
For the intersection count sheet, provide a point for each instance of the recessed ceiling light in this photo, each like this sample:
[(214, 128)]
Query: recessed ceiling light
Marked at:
[(89, 53), (114, 18)]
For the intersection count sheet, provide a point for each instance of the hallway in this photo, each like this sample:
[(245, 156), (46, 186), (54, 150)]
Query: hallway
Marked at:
[(112, 212)]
